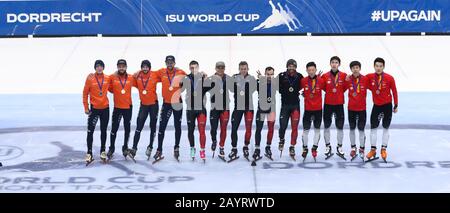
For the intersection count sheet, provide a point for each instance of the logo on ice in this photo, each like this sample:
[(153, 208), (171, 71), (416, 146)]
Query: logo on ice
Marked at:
[(403, 15)]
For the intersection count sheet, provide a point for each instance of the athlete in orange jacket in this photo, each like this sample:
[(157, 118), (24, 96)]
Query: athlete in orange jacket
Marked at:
[(146, 81), (120, 85), (96, 89), (170, 77)]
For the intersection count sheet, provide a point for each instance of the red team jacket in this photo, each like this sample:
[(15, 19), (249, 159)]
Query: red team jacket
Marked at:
[(314, 102), (387, 84), (332, 98), (359, 87)]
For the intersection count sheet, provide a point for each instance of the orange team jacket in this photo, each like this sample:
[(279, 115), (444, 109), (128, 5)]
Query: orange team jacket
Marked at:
[(177, 76), (92, 89), (146, 82), (121, 101)]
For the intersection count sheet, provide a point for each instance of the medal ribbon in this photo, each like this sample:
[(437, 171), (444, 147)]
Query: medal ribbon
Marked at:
[(100, 86), (380, 79), (168, 76), (312, 85), (123, 84), (357, 86), (289, 79), (146, 82), (336, 79)]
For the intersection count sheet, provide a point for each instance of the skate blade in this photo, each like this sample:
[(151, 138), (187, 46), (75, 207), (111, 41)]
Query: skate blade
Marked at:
[(156, 161), (329, 156), (353, 158), (148, 157), (109, 159), (315, 160), (204, 161), (89, 162), (132, 158), (270, 157), (246, 157), (231, 160), (222, 158), (104, 161), (384, 159), (293, 158), (257, 158), (342, 156), (370, 160), (213, 151)]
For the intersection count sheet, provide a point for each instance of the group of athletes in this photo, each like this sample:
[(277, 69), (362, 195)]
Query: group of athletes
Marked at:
[(290, 84)]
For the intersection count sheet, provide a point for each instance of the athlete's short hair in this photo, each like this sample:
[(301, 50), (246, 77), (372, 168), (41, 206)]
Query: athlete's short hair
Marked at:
[(269, 68), (335, 58), (193, 62), (311, 64), (355, 63), (378, 59), (243, 63)]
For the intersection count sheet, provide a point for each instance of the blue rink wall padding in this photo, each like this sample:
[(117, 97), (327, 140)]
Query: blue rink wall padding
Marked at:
[(205, 17)]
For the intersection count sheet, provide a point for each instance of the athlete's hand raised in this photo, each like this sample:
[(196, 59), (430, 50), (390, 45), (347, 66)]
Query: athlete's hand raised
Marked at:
[(259, 73)]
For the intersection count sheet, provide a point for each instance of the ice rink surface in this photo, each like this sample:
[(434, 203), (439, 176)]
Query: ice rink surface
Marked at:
[(43, 132)]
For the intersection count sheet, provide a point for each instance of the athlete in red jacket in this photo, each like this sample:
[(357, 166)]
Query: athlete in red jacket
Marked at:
[(334, 105), (312, 90), (357, 85), (383, 90)]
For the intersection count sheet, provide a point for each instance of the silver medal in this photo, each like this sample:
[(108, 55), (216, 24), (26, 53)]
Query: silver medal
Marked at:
[(291, 89), (144, 92), (122, 91)]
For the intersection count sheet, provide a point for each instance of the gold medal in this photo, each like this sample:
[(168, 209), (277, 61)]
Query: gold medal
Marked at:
[(378, 92), (334, 90), (144, 92), (291, 89), (311, 95), (242, 93), (170, 88), (122, 91), (269, 99)]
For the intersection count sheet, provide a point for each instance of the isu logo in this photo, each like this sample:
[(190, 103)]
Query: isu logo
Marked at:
[(280, 16)]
